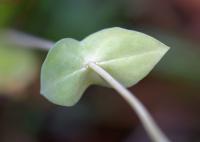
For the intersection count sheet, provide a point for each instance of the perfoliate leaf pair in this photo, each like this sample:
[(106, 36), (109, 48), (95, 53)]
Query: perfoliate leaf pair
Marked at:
[(127, 55)]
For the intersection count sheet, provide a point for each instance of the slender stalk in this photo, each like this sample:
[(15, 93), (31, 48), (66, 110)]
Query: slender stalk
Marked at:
[(27, 41), (152, 129)]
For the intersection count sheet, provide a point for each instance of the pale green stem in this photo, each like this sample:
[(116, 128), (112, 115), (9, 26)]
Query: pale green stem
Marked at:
[(150, 126), (26, 40)]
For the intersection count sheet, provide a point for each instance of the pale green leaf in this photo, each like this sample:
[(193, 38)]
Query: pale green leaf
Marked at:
[(127, 55)]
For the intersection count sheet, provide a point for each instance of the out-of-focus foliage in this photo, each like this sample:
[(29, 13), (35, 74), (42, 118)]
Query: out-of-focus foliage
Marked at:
[(62, 18), (17, 68), (8, 10)]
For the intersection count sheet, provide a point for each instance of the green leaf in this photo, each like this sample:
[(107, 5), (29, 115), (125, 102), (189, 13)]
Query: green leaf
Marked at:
[(127, 55)]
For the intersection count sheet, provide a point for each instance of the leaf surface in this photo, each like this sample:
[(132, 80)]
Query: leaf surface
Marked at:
[(127, 55)]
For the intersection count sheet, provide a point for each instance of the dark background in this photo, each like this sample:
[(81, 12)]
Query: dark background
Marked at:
[(171, 92)]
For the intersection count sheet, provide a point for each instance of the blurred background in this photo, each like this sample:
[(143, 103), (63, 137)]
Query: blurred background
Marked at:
[(171, 92)]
